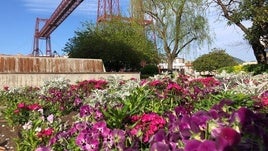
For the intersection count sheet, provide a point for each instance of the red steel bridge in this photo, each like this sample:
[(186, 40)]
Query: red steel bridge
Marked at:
[(106, 10)]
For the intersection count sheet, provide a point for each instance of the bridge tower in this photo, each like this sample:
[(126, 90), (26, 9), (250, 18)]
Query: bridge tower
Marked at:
[(108, 10), (65, 8)]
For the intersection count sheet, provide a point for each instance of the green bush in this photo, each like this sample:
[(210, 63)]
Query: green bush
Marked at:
[(214, 60), (149, 70), (232, 69), (256, 68)]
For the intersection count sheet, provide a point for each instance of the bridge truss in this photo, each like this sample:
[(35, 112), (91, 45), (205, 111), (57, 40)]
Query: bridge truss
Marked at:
[(65, 8)]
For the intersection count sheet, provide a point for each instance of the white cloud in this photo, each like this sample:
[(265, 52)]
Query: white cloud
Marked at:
[(41, 5)]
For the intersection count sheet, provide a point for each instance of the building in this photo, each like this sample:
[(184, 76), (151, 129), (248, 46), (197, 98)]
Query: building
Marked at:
[(179, 64)]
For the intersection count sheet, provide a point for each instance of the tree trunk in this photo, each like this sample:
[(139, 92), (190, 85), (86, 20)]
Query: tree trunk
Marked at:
[(170, 60), (259, 52)]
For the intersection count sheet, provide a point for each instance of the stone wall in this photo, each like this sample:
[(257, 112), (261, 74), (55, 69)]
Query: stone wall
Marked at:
[(14, 80), (20, 71)]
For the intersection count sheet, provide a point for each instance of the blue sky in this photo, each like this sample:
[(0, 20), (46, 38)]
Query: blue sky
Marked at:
[(18, 23)]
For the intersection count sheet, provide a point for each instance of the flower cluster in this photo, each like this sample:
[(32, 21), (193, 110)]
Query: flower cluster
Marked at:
[(45, 133), (146, 125), (23, 106), (160, 113), (22, 112), (92, 136)]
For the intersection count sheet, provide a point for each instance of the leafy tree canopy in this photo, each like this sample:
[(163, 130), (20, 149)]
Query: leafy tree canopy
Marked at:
[(213, 60), (178, 24), (121, 45), (242, 12)]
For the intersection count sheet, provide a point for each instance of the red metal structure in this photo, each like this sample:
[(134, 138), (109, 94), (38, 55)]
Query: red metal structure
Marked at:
[(107, 10), (65, 8)]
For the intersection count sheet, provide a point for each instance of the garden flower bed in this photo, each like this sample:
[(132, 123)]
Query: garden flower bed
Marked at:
[(160, 113)]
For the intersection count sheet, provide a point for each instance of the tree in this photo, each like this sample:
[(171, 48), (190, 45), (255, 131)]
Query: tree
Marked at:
[(178, 24), (213, 60), (119, 44), (242, 11)]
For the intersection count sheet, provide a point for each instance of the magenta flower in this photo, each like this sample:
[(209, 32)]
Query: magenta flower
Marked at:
[(207, 145), (86, 142), (160, 146), (43, 148), (77, 101), (230, 135), (264, 98), (45, 133), (21, 105), (34, 107), (85, 110), (155, 83), (148, 124), (174, 86), (226, 137), (102, 129), (100, 84), (192, 145), (244, 116)]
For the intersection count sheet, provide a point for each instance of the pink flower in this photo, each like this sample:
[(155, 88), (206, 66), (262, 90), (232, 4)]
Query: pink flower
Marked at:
[(264, 101), (174, 86), (148, 124), (45, 133), (33, 107), (227, 136), (16, 111), (155, 83), (21, 105)]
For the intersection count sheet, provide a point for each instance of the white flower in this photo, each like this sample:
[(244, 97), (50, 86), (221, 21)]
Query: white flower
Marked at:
[(50, 118), (27, 125), (41, 111), (38, 129)]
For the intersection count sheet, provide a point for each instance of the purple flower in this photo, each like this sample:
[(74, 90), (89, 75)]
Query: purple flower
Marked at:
[(85, 142), (77, 101), (159, 136), (213, 113), (179, 110), (102, 129), (207, 145), (226, 137), (160, 146), (85, 110), (244, 115), (118, 138), (118, 135), (98, 115), (192, 145), (43, 148)]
